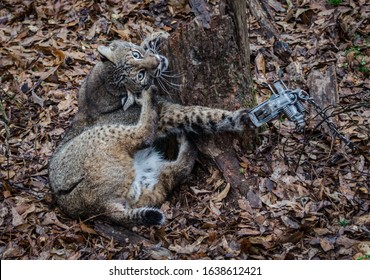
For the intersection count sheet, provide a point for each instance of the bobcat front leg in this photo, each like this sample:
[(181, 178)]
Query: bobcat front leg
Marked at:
[(174, 118), (144, 132)]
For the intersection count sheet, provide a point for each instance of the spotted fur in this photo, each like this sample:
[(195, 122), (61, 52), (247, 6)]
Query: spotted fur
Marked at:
[(114, 172), (107, 165)]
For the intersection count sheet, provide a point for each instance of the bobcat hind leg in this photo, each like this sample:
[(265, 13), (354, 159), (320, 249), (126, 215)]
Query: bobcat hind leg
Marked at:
[(171, 174)]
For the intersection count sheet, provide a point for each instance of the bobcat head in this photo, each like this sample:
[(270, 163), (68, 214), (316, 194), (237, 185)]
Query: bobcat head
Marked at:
[(132, 68)]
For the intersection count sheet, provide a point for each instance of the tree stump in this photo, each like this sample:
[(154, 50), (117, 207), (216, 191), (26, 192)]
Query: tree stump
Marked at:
[(214, 67)]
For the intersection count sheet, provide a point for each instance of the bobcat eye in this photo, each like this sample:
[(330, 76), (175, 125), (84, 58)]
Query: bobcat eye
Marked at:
[(136, 55), (141, 75)]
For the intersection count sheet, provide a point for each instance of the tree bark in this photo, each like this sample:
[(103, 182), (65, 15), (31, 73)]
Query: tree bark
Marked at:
[(213, 60), (257, 9), (238, 13)]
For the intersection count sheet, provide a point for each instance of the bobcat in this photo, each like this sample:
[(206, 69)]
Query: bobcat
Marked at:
[(107, 164), (110, 94), (113, 171)]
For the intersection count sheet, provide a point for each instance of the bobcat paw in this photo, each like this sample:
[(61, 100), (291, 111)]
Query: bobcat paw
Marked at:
[(244, 117), (154, 40), (151, 91), (134, 193), (181, 138), (241, 118), (147, 94)]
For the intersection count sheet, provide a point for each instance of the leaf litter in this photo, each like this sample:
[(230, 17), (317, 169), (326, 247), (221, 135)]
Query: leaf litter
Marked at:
[(310, 199)]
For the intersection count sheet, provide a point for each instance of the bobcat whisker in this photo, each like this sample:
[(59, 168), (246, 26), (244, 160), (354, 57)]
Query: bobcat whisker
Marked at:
[(163, 87), (173, 76), (174, 72), (170, 84)]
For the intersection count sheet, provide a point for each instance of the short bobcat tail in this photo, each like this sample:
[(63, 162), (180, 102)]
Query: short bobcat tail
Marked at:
[(135, 216)]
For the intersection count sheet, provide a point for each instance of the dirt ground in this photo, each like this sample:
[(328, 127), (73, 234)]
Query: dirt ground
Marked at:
[(310, 197)]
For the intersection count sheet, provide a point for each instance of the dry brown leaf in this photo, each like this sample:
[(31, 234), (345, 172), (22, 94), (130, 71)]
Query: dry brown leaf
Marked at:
[(364, 247), (321, 231), (17, 219), (363, 220), (59, 55), (326, 245), (13, 251), (345, 241), (7, 174), (30, 209), (291, 238), (265, 241), (51, 219), (222, 194), (196, 191), (187, 249), (37, 99), (214, 208), (254, 200), (289, 222), (260, 67), (244, 205), (248, 232), (87, 229)]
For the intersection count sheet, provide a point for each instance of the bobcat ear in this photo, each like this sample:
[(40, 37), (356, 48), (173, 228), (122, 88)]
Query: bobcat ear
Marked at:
[(106, 52)]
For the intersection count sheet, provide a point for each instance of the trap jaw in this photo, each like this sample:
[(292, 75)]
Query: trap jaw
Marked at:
[(289, 103), (282, 102)]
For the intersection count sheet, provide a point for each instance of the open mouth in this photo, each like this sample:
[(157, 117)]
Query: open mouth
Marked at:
[(163, 65)]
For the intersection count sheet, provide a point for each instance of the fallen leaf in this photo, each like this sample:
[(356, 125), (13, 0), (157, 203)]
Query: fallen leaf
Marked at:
[(187, 249), (254, 199), (326, 245), (289, 222), (345, 241), (59, 55), (265, 241), (214, 209), (363, 220), (292, 238), (321, 231), (30, 209), (87, 229), (13, 251), (364, 247), (51, 219), (248, 232), (17, 219), (260, 66), (222, 194), (7, 174)]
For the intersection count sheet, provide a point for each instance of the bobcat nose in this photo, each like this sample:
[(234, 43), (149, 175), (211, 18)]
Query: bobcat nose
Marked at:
[(154, 61)]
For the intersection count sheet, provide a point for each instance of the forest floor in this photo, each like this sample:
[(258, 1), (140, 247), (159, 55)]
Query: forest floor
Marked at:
[(311, 195)]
